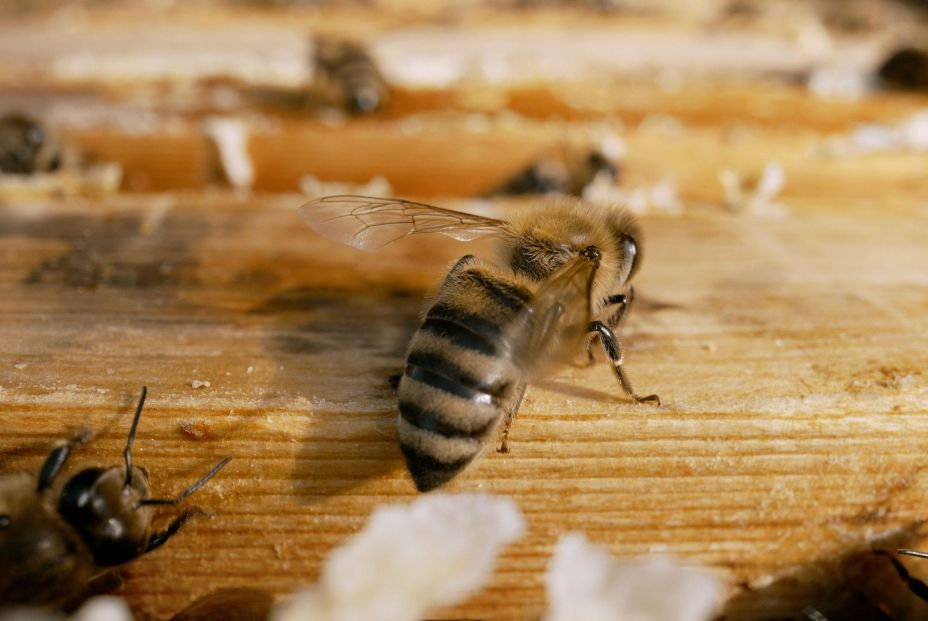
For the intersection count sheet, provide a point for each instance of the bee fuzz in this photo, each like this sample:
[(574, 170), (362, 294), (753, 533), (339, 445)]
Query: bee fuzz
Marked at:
[(584, 583), (410, 559)]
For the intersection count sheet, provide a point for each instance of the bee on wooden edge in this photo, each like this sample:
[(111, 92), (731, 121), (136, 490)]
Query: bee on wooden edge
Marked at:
[(561, 282), (26, 147), (347, 75), (55, 539)]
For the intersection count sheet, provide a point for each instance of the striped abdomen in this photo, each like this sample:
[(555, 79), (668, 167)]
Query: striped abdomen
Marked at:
[(459, 379), (349, 68)]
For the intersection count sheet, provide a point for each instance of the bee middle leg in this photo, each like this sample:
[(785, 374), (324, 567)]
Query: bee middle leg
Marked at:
[(624, 302), (503, 445), (613, 351)]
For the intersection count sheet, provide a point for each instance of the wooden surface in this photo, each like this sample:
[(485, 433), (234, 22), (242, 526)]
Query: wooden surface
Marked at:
[(789, 352)]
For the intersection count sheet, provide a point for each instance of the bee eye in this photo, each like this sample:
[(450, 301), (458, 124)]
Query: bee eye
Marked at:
[(5, 521), (630, 249)]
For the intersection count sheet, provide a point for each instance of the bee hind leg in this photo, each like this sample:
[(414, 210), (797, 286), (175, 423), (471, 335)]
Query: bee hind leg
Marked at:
[(503, 444), (613, 351)]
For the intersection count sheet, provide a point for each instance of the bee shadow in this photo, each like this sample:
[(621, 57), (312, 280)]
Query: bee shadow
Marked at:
[(338, 348)]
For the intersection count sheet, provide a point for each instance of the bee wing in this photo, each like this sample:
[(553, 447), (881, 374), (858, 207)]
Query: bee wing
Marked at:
[(552, 326), (369, 223)]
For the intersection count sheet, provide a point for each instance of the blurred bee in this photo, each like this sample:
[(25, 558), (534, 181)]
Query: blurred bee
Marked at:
[(55, 539), (561, 281), (241, 604), (883, 589), (347, 74), (25, 147), (905, 69), (567, 172)]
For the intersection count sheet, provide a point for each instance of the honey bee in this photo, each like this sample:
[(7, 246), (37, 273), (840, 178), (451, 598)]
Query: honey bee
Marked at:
[(561, 282), (565, 173), (346, 72), (905, 69), (25, 146), (54, 539)]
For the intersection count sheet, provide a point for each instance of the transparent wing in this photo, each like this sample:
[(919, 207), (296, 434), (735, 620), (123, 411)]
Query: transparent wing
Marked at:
[(554, 324), (369, 223)]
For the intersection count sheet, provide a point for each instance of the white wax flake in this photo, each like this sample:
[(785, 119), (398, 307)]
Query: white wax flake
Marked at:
[(378, 186), (104, 608), (659, 197), (410, 559), (839, 82), (200, 384), (908, 135), (760, 201), (21, 365), (584, 583), (230, 138)]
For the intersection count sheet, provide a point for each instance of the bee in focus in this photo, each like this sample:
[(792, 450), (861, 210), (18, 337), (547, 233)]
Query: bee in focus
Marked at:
[(56, 538), (561, 283), (26, 147), (568, 171), (347, 75)]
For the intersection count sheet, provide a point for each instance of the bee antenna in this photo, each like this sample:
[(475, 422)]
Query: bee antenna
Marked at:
[(908, 552), (135, 425), (190, 490)]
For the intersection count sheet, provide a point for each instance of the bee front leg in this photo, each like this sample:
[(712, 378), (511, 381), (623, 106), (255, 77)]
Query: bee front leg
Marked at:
[(611, 345), (159, 539), (503, 444)]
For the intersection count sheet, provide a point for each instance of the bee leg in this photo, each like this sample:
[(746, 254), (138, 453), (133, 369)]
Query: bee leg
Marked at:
[(503, 445), (624, 302), (614, 352), (916, 586), (590, 348), (159, 539), (57, 459)]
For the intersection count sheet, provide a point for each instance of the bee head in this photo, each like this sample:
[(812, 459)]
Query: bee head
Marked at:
[(106, 507)]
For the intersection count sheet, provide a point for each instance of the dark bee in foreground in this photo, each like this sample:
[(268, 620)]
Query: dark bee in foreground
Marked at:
[(561, 282), (26, 147), (55, 538)]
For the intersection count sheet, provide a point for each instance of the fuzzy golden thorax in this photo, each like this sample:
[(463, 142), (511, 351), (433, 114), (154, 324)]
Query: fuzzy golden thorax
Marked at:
[(550, 235)]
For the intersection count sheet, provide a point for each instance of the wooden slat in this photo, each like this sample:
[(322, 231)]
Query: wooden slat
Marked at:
[(789, 355)]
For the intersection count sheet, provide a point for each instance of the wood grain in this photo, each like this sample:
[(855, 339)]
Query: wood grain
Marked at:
[(789, 352)]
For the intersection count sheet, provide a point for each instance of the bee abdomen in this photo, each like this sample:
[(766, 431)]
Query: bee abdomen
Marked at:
[(459, 377)]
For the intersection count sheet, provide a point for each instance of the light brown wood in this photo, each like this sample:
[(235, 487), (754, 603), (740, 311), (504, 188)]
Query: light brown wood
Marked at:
[(789, 352)]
